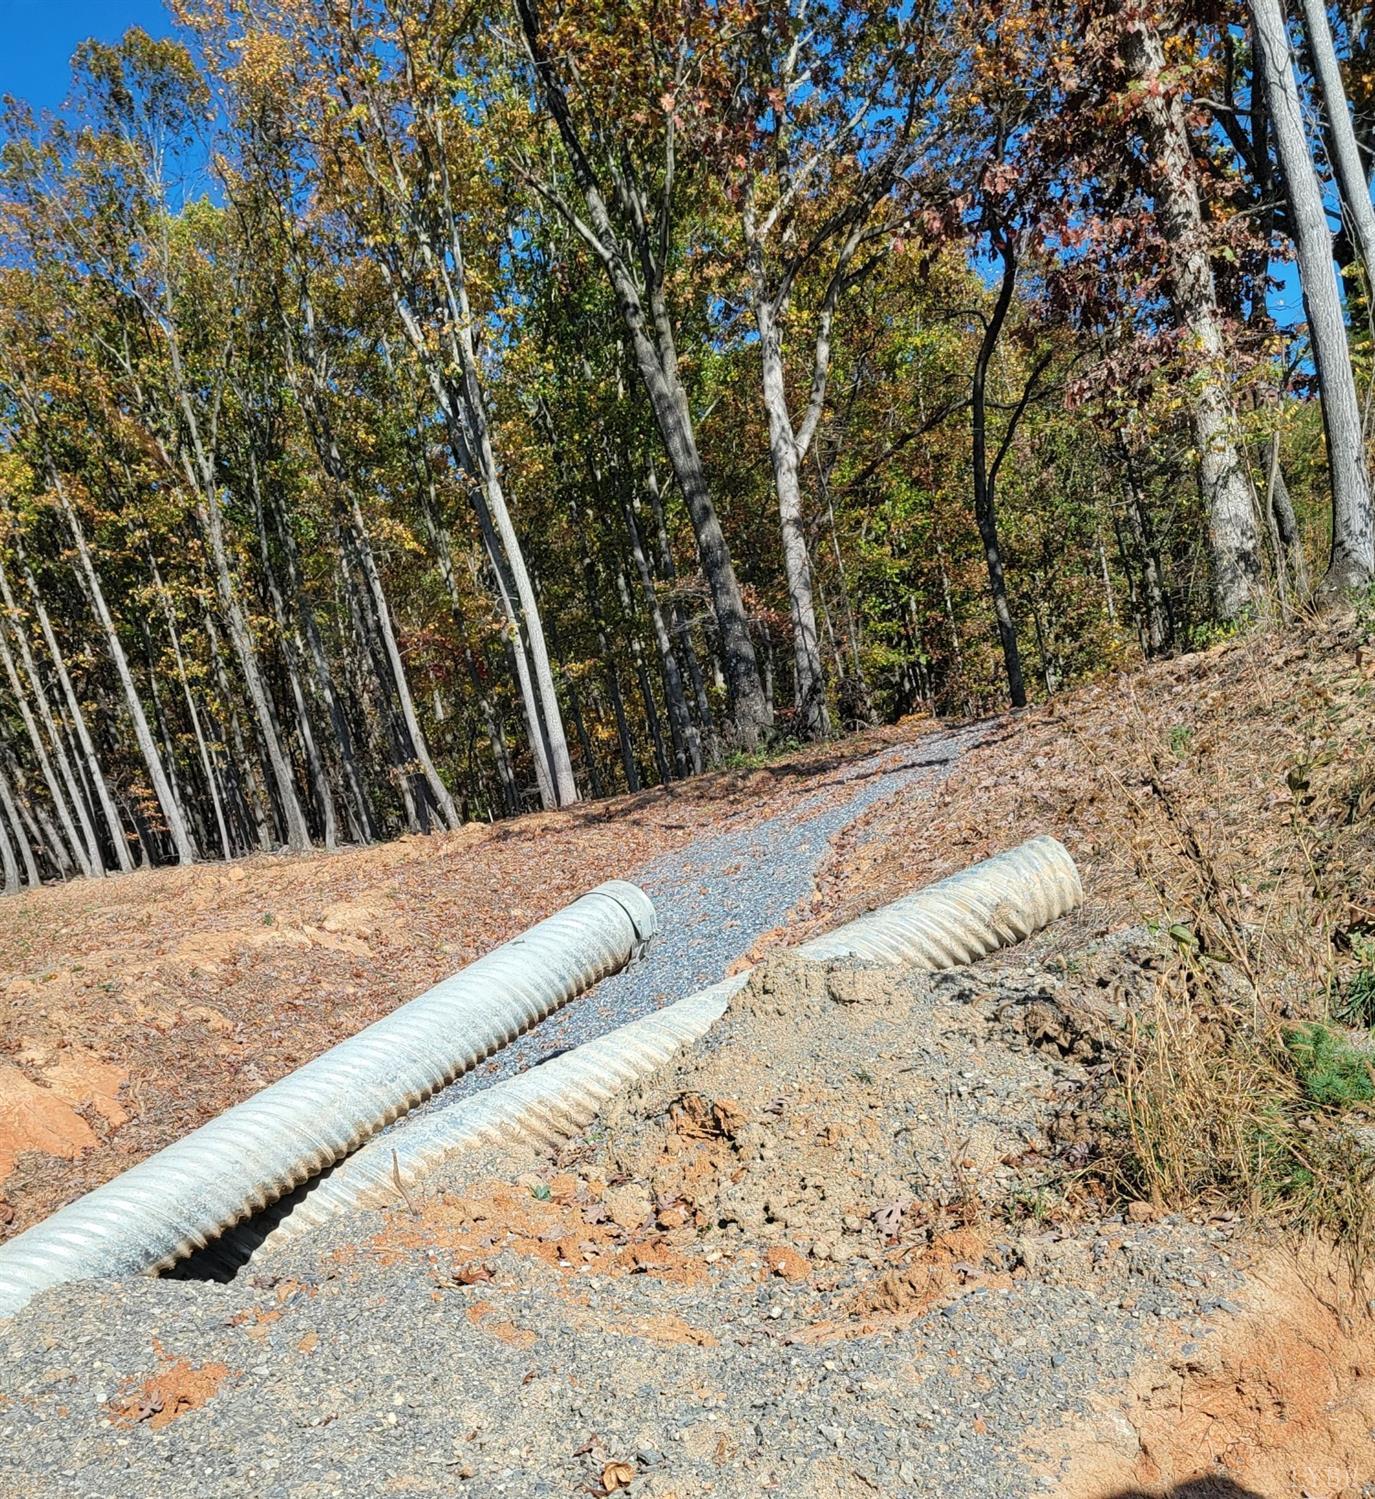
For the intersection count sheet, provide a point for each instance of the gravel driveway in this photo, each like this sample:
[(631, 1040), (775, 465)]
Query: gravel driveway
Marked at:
[(716, 897)]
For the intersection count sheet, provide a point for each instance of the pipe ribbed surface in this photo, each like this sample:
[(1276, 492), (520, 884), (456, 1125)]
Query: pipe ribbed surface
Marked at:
[(990, 905), (172, 1203), (967, 916), (544, 1105)]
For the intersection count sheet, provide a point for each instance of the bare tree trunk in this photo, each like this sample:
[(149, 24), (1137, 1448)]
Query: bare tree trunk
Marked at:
[(9, 866), (96, 775), (419, 745), (646, 318), (93, 861), (241, 638), (687, 746), (315, 765), (985, 495), (682, 628), (73, 845), (202, 748), (1234, 542), (442, 544), (646, 688), (1158, 625), (1345, 153), (162, 787), (1352, 563), (20, 838), (810, 678), (364, 821), (1285, 521), (244, 765)]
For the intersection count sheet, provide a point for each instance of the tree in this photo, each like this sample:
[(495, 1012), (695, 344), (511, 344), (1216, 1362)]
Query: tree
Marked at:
[(1352, 561)]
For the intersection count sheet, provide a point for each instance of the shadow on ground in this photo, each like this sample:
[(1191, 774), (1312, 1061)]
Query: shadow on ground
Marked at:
[(1196, 1488)]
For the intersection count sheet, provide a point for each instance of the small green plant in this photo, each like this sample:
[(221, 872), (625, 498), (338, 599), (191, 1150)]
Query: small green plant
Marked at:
[(1181, 737), (1356, 1002), (1333, 1073), (1036, 1206), (862, 1075), (541, 1193)]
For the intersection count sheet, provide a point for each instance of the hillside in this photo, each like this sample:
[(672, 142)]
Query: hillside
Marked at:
[(999, 1231)]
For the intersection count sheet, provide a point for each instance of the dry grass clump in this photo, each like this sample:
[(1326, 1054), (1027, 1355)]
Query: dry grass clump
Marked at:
[(1251, 825), (1228, 800)]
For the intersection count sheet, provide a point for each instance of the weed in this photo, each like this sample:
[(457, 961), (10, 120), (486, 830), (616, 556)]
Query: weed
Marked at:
[(1181, 737), (1333, 1073), (1037, 1206), (1356, 1001)]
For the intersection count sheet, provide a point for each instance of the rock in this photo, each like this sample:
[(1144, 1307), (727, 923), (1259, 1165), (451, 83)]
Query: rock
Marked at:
[(784, 1260), (629, 1206)]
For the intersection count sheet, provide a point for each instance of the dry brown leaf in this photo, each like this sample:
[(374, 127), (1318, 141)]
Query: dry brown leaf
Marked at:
[(617, 1476)]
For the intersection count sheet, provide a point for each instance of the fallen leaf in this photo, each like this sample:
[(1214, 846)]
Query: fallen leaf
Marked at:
[(617, 1476), (888, 1218)]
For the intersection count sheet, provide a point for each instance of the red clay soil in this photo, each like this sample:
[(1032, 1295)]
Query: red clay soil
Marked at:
[(135, 1008), (176, 1388), (1281, 1402)]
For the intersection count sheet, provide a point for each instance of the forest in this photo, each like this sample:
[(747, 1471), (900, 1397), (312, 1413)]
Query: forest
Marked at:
[(414, 413)]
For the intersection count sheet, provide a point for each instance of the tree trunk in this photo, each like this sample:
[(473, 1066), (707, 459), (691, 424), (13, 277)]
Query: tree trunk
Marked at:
[(202, 748), (442, 545), (1343, 150), (162, 787), (1159, 628), (656, 358), (985, 497), (363, 819), (73, 844), (686, 744), (809, 676), (315, 766), (382, 611), (89, 853), (109, 811), (1352, 562), (20, 838), (1234, 543), (241, 639)]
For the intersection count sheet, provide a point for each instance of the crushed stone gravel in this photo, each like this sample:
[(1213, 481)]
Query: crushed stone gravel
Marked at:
[(716, 897), (591, 1324)]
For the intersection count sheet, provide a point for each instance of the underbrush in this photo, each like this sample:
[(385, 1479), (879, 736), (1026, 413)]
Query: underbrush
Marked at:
[(1245, 1081)]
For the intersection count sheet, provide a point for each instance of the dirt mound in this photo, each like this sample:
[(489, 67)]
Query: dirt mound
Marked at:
[(819, 1119)]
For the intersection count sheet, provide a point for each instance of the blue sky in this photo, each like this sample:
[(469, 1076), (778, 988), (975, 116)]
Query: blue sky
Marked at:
[(41, 35)]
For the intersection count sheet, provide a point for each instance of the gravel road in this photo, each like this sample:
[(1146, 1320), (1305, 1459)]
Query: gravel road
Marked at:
[(719, 895)]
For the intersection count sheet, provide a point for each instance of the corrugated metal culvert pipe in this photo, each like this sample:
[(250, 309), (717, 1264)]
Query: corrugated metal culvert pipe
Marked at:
[(545, 1105), (172, 1203), (956, 921)]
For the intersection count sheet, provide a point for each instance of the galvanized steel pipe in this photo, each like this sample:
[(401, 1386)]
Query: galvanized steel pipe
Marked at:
[(967, 916), (172, 1203), (955, 921), (544, 1105)]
